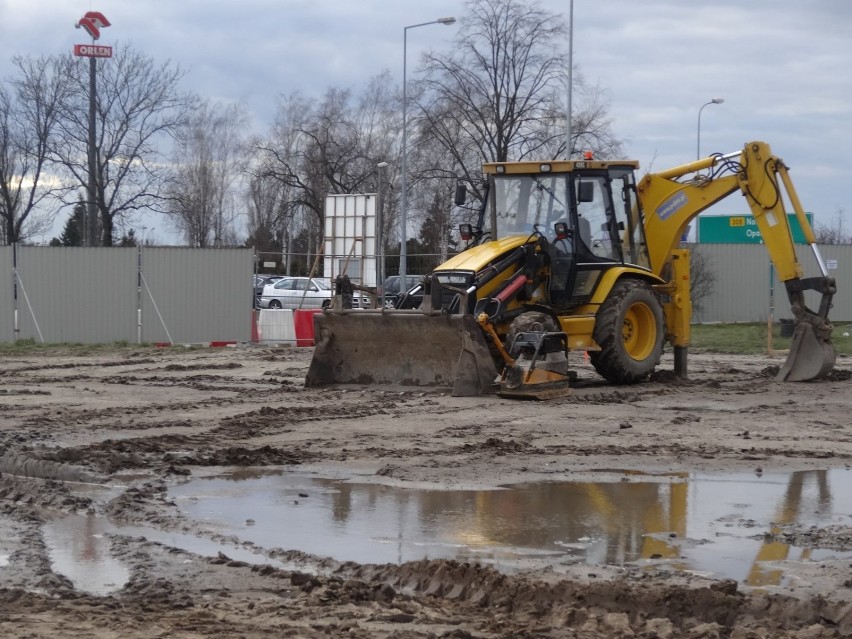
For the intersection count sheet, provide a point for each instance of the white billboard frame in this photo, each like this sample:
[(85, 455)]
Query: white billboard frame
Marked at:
[(350, 237)]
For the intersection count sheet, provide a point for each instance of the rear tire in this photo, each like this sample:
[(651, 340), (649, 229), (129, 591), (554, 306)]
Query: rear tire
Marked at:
[(630, 330)]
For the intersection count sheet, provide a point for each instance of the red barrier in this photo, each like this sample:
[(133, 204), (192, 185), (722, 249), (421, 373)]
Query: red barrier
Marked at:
[(303, 322), (255, 337)]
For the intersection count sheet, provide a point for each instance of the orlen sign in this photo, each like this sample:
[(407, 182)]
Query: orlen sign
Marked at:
[(92, 22), (92, 51)]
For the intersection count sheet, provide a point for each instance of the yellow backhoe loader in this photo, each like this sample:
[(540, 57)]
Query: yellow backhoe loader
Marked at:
[(576, 255)]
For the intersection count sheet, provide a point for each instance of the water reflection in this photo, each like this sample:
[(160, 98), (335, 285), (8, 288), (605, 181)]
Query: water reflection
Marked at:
[(79, 549), (706, 522), (789, 510)]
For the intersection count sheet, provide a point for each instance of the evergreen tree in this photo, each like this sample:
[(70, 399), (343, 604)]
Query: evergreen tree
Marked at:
[(74, 232), (128, 239)]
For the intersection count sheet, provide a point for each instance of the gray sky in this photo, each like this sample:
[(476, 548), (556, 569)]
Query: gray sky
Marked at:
[(780, 65)]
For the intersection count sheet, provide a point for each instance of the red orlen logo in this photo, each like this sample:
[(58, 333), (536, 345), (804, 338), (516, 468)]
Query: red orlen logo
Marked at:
[(92, 51), (93, 22)]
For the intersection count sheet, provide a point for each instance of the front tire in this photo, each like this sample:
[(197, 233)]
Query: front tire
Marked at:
[(630, 330), (275, 304)]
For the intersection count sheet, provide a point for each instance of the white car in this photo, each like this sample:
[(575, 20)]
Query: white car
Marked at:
[(296, 292)]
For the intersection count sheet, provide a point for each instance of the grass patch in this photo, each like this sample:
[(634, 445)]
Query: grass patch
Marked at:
[(748, 338)]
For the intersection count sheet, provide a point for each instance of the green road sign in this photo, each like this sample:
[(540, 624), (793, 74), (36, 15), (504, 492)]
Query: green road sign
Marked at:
[(742, 229)]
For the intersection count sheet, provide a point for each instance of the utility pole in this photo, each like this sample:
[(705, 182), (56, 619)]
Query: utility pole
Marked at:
[(92, 22), (91, 204)]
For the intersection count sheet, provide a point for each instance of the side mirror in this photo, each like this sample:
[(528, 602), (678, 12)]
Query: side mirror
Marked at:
[(466, 232), (586, 192), (461, 193)]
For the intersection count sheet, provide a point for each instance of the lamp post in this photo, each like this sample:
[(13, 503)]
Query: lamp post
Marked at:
[(403, 214), (698, 143), (570, 78), (380, 228)]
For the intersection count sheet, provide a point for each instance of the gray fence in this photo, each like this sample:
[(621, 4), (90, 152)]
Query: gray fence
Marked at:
[(743, 283), (146, 295), (744, 280), (184, 295)]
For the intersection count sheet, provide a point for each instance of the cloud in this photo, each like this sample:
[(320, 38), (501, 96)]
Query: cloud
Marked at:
[(781, 65)]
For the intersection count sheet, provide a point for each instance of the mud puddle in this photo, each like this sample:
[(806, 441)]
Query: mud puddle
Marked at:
[(751, 528), (727, 526), (79, 548)]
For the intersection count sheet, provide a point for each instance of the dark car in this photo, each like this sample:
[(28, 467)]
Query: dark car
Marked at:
[(391, 288), (261, 280)]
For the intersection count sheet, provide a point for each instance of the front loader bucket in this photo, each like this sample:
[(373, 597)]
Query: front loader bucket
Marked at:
[(811, 357), (408, 348)]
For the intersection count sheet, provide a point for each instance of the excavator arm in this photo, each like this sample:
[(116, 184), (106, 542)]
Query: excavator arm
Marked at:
[(671, 203)]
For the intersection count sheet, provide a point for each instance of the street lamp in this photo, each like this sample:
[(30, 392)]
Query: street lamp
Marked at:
[(380, 227), (698, 143), (570, 78), (403, 217)]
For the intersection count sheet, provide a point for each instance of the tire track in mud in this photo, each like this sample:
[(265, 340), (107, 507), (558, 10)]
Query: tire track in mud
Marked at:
[(14, 370), (168, 452), (413, 601), (179, 593), (19, 465), (622, 607)]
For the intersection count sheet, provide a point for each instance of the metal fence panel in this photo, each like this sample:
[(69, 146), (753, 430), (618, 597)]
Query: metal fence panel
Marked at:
[(192, 295), (7, 301), (740, 293), (740, 290), (743, 275), (74, 294), (91, 295)]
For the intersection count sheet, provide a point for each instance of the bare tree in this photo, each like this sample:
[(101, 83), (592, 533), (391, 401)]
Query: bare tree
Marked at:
[(331, 146), (139, 107), (486, 100), (283, 156), (834, 232), (702, 279), (270, 212), (497, 95), (208, 162), (29, 115), (591, 123)]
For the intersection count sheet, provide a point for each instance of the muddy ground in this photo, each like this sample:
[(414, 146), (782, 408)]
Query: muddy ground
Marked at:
[(135, 421)]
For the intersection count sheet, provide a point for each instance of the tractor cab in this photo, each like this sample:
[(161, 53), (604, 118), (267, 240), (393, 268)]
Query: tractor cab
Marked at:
[(587, 211)]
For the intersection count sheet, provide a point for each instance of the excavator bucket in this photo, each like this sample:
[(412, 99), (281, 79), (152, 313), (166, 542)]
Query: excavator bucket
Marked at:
[(811, 356), (401, 347)]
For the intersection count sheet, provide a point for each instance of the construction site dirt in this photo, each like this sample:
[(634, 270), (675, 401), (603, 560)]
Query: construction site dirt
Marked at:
[(158, 492)]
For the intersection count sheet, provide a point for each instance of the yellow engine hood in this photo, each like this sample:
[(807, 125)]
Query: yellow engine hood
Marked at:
[(478, 257)]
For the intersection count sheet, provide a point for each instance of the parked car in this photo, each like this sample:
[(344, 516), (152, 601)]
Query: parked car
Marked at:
[(391, 288), (360, 299), (296, 292), (411, 298), (261, 280)]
